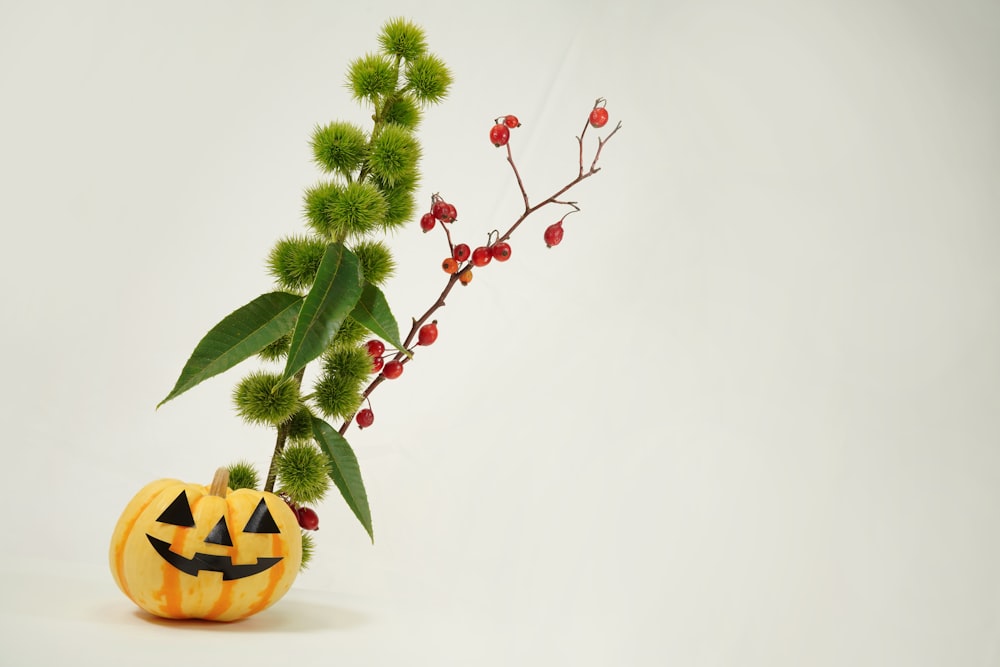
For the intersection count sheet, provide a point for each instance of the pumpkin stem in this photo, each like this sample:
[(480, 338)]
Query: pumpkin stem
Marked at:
[(220, 483)]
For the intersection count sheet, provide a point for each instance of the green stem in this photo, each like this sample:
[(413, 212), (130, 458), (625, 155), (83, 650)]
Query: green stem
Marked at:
[(279, 443)]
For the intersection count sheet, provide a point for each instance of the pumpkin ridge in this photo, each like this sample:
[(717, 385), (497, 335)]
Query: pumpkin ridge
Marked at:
[(120, 548), (170, 592), (264, 598), (223, 603)]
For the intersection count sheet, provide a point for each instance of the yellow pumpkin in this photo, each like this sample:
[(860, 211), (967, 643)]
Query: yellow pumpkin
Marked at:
[(187, 551)]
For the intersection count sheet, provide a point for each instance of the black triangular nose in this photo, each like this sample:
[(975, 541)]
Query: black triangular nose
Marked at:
[(220, 534)]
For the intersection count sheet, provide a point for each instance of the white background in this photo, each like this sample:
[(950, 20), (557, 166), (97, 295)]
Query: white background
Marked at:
[(748, 413)]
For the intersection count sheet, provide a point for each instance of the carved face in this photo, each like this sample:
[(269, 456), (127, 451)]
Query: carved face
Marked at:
[(178, 513), (180, 552)]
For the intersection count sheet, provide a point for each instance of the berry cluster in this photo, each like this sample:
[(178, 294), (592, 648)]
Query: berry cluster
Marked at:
[(441, 211), (393, 368), (444, 212), (481, 256), (500, 132)]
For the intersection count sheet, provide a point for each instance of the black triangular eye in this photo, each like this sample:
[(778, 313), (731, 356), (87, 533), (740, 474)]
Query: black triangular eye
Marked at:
[(261, 520), (220, 534), (178, 513)]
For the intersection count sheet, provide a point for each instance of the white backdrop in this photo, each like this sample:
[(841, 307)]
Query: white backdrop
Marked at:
[(748, 413)]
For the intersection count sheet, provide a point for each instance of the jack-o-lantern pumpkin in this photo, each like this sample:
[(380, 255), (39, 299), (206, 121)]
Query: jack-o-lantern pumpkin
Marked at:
[(186, 551)]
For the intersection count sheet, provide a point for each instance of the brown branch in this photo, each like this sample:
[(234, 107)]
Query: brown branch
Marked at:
[(600, 147), (406, 356), (520, 183)]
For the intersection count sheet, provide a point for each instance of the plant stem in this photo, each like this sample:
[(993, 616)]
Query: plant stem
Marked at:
[(279, 443), (401, 356)]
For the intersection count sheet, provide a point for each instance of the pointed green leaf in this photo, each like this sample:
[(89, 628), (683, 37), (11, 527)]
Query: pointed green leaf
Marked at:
[(330, 300), (344, 471), (241, 334), (372, 312)]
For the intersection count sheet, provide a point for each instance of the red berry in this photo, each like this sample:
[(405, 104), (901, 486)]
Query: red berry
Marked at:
[(481, 256), (308, 518), (365, 418), (393, 369), (427, 222), (449, 265), (461, 252), (377, 363), (452, 213), (500, 251), (554, 234), (428, 333), (376, 348), (443, 211), (499, 135), (599, 117), (511, 121)]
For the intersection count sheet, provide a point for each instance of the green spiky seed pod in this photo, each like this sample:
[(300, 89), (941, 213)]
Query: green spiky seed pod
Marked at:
[(303, 472), (264, 398), (401, 110), (308, 549), (277, 350), (400, 200), (394, 153), (243, 475), (353, 363), (428, 78), (359, 209), (294, 261), (372, 76), (403, 39), (338, 395), (376, 261), (349, 334), (298, 428), (339, 147), (318, 201)]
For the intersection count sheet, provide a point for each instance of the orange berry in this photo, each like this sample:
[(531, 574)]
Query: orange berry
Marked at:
[(449, 265), (465, 276)]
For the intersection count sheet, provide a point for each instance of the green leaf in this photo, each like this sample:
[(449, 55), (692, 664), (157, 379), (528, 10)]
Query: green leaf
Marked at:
[(242, 333), (344, 471), (334, 292), (372, 311)]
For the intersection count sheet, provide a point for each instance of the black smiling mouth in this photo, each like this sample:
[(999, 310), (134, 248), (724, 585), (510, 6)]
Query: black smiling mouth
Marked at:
[(210, 563)]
